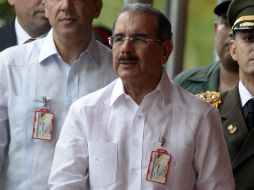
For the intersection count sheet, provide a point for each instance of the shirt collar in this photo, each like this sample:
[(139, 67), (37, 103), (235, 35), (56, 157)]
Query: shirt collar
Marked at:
[(245, 95), (118, 90), (49, 48), (22, 35), (163, 88)]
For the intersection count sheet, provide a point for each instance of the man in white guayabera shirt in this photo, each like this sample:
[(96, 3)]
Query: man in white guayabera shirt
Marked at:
[(142, 131)]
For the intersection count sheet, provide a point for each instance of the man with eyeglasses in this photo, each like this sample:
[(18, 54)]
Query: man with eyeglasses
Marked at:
[(142, 131)]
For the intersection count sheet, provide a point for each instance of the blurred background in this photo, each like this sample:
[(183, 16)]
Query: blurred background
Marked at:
[(196, 27)]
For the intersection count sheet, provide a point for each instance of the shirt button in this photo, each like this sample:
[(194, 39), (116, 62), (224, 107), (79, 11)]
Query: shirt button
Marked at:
[(135, 171), (136, 142), (97, 161), (140, 115)]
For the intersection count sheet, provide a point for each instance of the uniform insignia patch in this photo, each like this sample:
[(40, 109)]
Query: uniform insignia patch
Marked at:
[(211, 97)]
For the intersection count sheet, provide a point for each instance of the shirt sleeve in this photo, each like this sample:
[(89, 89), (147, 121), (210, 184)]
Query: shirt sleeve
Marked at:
[(70, 164), (212, 161)]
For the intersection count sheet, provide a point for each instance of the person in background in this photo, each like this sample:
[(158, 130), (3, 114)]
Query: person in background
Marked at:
[(38, 83), (142, 131), (222, 75), (30, 23), (237, 107)]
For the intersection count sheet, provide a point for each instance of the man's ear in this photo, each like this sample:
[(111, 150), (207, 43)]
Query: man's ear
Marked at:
[(99, 5), (167, 48), (232, 46)]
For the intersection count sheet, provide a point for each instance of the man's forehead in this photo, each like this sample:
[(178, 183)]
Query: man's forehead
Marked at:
[(135, 20), (135, 16)]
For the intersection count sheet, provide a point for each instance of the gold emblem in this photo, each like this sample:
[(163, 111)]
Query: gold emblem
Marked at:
[(232, 129), (211, 97)]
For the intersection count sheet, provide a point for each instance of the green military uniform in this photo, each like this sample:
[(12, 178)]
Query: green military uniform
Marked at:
[(240, 140), (200, 79)]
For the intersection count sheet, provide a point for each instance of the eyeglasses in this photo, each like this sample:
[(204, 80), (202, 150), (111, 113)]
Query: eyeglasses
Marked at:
[(136, 41)]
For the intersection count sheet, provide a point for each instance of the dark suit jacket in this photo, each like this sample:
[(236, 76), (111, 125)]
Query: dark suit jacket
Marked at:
[(8, 36), (241, 143)]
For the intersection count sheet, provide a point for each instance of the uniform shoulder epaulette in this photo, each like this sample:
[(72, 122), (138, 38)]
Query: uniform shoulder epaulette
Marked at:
[(211, 97)]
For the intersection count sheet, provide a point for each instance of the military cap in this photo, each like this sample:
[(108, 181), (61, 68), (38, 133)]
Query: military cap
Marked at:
[(241, 15), (221, 7)]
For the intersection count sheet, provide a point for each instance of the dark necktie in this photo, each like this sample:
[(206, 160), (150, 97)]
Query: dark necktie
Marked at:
[(29, 40), (250, 116)]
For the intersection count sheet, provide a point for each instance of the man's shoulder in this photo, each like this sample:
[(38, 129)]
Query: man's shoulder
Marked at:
[(189, 101), (197, 74), (7, 36), (197, 80), (7, 27), (21, 54), (229, 99)]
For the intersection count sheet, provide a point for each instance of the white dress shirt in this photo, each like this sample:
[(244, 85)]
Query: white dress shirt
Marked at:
[(27, 73), (244, 93), (107, 140)]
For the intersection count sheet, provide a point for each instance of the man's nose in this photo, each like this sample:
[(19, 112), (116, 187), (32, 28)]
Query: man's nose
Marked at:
[(67, 5)]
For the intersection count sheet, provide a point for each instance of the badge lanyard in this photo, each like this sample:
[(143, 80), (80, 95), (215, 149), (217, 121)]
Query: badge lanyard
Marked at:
[(43, 122)]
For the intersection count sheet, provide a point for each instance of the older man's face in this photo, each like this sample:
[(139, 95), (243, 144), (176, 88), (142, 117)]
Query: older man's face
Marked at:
[(137, 61)]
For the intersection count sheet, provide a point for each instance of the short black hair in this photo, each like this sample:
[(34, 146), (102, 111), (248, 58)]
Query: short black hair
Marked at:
[(164, 25)]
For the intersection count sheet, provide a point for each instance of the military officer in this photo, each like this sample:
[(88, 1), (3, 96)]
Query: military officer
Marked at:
[(222, 74), (237, 105)]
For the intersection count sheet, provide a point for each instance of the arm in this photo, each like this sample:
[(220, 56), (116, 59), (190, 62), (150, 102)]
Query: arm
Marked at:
[(212, 161), (70, 164)]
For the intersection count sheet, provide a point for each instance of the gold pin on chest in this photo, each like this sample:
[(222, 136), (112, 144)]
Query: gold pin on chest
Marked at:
[(232, 129)]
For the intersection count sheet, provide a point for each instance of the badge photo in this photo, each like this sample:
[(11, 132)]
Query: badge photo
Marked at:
[(43, 124)]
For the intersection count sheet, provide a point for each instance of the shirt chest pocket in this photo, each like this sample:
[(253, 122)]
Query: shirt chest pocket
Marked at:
[(102, 163), (21, 114)]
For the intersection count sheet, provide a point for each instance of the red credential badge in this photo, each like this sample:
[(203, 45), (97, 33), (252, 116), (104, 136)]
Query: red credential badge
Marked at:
[(43, 124), (158, 166)]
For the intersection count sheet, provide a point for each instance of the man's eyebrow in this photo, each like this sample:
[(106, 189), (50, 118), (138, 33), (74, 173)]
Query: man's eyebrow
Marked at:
[(139, 35)]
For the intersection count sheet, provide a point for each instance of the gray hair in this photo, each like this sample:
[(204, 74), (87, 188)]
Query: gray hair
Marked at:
[(164, 25)]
